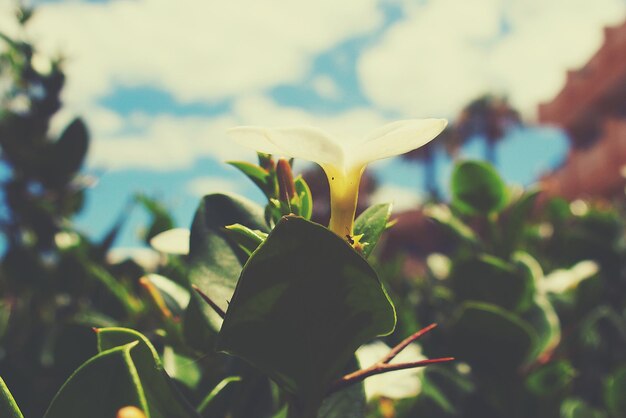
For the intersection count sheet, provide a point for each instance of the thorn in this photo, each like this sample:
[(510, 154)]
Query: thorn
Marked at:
[(208, 300)]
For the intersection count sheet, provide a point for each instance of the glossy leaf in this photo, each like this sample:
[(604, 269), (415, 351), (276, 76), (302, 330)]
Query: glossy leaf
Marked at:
[(489, 279), (372, 223), (246, 238), (303, 305), (490, 338), (127, 372), (477, 189), (174, 295), (215, 260), (8, 407), (161, 397), (100, 387)]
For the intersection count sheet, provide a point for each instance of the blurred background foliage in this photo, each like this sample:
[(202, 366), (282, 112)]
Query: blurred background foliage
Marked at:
[(529, 290)]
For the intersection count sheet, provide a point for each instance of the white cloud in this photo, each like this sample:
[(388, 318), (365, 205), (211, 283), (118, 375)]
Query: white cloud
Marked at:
[(446, 52), (163, 142), (403, 198), (326, 87), (197, 50), (202, 186), (169, 142)]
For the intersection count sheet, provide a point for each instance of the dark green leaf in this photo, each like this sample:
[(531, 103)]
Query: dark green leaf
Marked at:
[(551, 379), (346, 403), (71, 148), (577, 408), (304, 303), (453, 225), (216, 391), (489, 279), (161, 218), (615, 392), (215, 260), (490, 338), (477, 189), (101, 386), (160, 395), (516, 216), (8, 407), (372, 223)]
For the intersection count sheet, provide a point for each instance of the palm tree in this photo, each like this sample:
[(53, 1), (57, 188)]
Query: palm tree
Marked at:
[(490, 117)]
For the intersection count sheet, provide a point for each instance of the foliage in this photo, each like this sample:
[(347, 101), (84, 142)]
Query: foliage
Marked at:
[(56, 283), (267, 313), (528, 343)]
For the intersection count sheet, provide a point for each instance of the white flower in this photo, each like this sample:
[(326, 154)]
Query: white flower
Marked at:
[(172, 241), (343, 161), (394, 385)]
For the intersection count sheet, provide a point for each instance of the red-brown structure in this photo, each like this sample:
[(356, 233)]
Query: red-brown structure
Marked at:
[(591, 108)]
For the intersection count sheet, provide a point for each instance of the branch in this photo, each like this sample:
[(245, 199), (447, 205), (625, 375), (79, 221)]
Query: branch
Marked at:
[(383, 366), (408, 340), (208, 300)]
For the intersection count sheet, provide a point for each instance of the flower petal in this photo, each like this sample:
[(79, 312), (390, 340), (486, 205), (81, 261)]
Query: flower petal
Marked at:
[(397, 138), (304, 142)]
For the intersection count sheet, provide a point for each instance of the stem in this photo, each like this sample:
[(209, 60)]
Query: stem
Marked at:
[(383, 366)]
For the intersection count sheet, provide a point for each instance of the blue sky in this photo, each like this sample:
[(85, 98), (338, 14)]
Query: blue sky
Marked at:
[(159, 82)]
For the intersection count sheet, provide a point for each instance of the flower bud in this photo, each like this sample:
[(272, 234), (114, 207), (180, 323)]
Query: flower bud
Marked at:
[(286, 186)]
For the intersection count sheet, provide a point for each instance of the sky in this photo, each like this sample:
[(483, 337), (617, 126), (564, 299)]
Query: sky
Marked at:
[(160, 81)]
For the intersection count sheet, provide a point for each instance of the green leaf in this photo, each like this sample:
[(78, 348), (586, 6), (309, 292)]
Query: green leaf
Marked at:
[(490, 338), (516, 217), (247, 239), (348, 402), (71, 148), (551, 379), (453, 225), (216, 391), (176, 297), (477, 189), (8, 407), (489, 279), (306, 199), (101, 386), (577, 408), (215, 260), (184, 369), (372, 223), (540, 314), (303, 305), (161, 397), (161, 219), (614, 390), (259, 176)]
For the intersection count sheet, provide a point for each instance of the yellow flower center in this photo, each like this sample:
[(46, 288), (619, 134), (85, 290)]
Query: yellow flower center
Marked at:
[(344, 193)]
